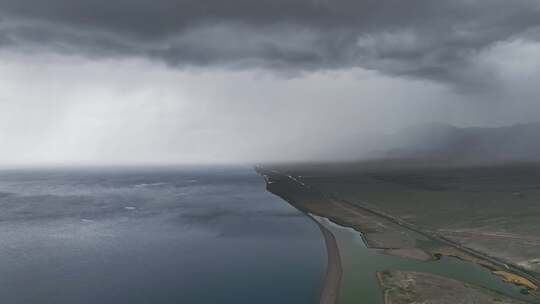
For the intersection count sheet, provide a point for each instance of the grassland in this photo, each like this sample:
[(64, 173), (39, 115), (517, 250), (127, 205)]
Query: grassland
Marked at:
[(485, 215), (492, 209)]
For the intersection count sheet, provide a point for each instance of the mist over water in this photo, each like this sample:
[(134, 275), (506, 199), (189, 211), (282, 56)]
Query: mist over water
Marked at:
[(251, 82), (197, 235)]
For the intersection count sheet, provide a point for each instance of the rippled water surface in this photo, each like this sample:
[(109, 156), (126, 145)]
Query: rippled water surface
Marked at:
[(185, 235)]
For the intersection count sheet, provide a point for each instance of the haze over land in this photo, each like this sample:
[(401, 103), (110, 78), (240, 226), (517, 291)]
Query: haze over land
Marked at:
[(127, 82), (450, 144)]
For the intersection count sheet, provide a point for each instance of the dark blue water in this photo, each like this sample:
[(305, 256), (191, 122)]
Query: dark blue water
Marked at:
[(185, 235)]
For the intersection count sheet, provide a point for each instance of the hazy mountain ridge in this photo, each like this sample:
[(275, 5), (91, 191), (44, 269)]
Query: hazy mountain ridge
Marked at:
[(519, 142)]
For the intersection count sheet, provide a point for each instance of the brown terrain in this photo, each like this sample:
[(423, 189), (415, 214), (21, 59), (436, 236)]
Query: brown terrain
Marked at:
[(414, 287)]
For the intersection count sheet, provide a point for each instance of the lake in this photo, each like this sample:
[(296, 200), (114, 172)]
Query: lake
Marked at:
[(140, 235)]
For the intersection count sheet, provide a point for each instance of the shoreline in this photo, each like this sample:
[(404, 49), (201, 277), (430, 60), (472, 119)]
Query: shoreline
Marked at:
[(458, 250), (314, 203), (334, 270)]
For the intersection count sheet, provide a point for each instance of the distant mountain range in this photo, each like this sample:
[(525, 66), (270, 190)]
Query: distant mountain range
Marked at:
[(443, 142)]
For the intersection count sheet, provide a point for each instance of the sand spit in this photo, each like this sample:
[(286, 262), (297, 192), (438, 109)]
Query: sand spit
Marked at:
[(334, 270)]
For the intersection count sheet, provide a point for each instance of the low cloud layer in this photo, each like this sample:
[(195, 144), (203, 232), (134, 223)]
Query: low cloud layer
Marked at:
[(65, 109), (172, 81), (435, 40), (58, 109)]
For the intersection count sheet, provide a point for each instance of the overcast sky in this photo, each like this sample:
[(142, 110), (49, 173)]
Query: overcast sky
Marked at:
[(204, 81)]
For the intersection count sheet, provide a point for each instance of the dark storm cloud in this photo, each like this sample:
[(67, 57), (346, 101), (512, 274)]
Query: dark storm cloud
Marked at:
[(436, 40)]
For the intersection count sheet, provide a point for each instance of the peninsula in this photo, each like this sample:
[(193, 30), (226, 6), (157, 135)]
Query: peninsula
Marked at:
[(389, 210)]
